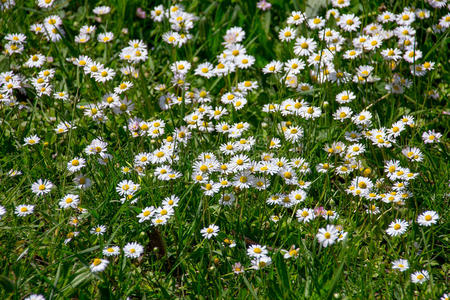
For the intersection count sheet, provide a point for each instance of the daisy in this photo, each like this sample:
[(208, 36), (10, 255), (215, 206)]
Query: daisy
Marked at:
[(76, 164), (406, 18), (237, 268), (428, 218), (69, 201), (304, 46), (36, 60), (244, 61), (101, 10), (260, 262), (316, 23), (431, 136), (349, 22), (227, 199), (42, 187), (398, 227), (345, 97), (343, 113), (273, 67), (98, 230), (157, 13), (82, 182), (257, 251), (35, 297), (293, 133), (210, 231), (352, 54), (327, 236), (294, 66), (372, 209), (32, 140), (386, 17), (123, 87), (296, 18), (133, 250), (205, 70), (305, 215), (105, 37), (391, 54), (171, 201), (111, 251), (400, 264), (104, 75), (413, 154), (24, 210), (126, 187), (61, 96), (287, 34), (340, 3), (146, 214), (420, 276), (98, 265), (412, 55), (2, 211), (18, 38)]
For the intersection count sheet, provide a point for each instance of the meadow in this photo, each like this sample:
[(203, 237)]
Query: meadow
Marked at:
[(224, 149)]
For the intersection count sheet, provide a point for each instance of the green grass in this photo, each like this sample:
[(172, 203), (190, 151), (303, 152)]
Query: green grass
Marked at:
[(178, 262)]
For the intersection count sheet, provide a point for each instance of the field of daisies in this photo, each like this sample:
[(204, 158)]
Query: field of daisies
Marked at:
[(224, 149)]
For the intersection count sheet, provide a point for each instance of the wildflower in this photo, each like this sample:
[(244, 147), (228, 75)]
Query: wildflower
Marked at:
[(82, 181), (101, 10), (296, 18), (401, 265), (210, 231), (98, 230), (36, 60), (287, 34), (398, 227), (42, 187), (111, 251), (343, 113), (420, 276), (260, 262), (32, 140), (35, 297), (273, 67), (205, 70), (24, 210), (292, 252), (413, 154), (304, 46), (428, 218), (146, 214), (257, 251), (2, 211), (237, 268), (316, 23), (69, 201), (327, 236), (133, 250), (349, 22), (105, 37), (76, 164), (98, 265), (431, 136)]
